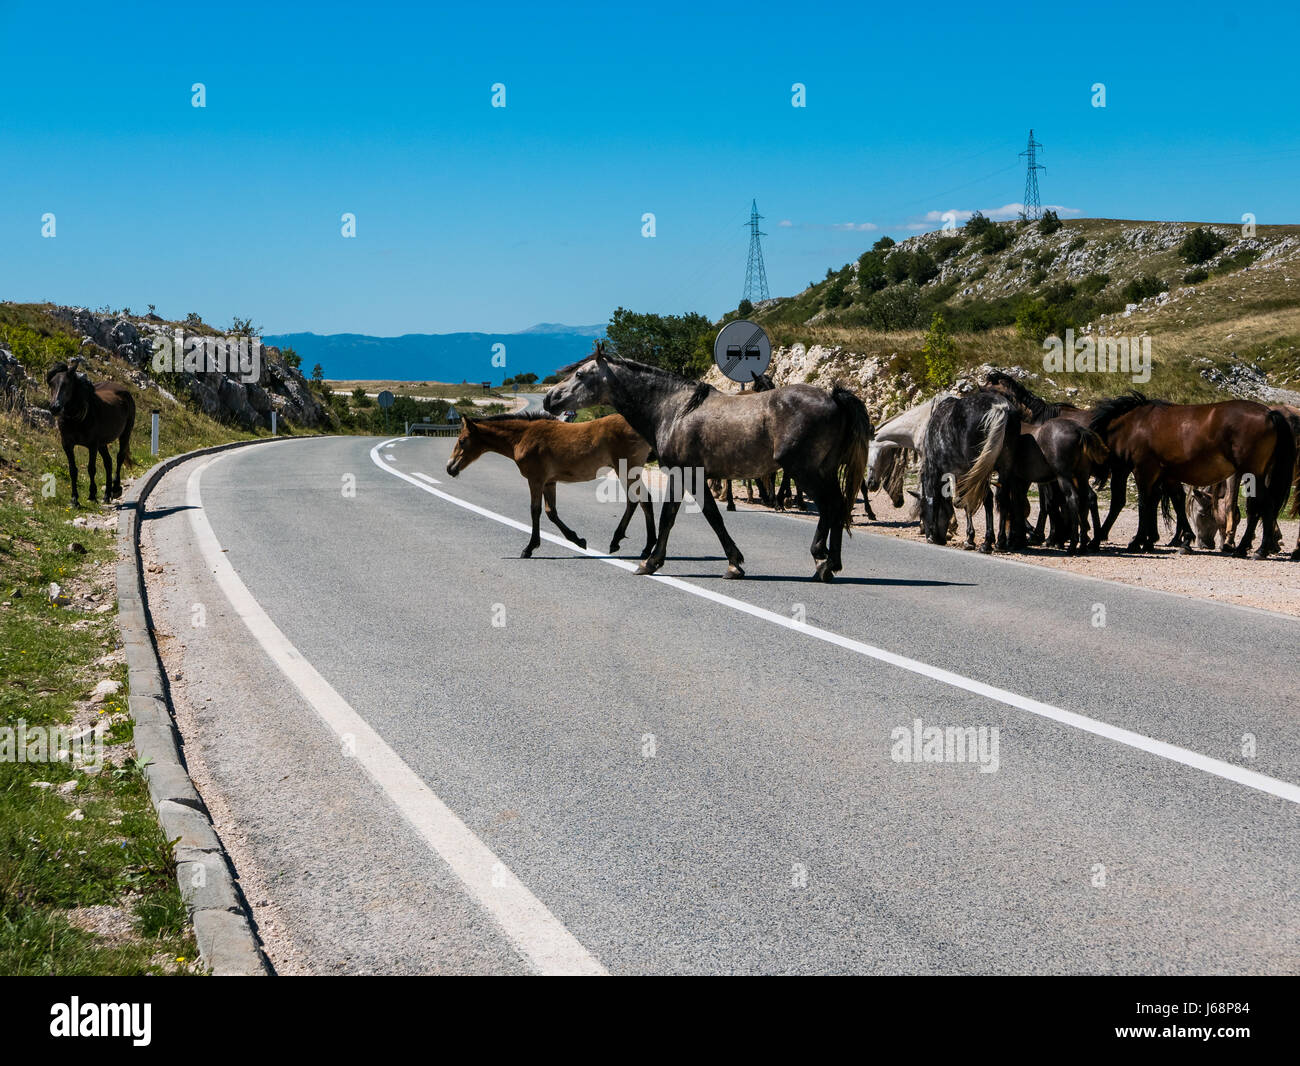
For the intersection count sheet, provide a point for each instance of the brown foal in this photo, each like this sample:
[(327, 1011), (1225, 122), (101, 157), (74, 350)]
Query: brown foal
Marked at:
[(547, 450)]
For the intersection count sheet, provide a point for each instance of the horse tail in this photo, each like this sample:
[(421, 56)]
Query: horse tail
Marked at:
[(854, 448), (1279, 473), (973, 485)]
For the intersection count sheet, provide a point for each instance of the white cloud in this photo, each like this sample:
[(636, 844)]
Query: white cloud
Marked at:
[(785, 223), (999, 214)]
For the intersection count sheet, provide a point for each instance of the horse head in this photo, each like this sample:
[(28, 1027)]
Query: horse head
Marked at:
[(70, 391), (468, 447), (587, 385)]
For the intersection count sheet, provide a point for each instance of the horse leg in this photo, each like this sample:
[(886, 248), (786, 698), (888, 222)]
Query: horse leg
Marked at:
[(1118, 497), (866, 504), (731, 503), (1070, 504), (667, 516), (1252, 519), (987, 546), (631, 489), (1183, 535), (535, 488), (1096, 516), (548, 491), (108, 473), (1147, 533), (90, 473), (649, 512), (72, 472), (714, 516)]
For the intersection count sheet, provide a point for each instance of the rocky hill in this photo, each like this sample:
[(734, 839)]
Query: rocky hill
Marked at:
[(1223, 317), (122, 346)]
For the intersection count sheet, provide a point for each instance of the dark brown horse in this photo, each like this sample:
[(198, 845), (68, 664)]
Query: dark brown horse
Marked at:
[(1166, 445), (92, 416), (547, 450)]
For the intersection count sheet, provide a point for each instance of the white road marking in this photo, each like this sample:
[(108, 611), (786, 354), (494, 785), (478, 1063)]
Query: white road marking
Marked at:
[(1251, 779), (535, 932), (425, 477)]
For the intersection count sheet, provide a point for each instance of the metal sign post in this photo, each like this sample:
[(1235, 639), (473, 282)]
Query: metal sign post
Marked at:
[(385, 401)]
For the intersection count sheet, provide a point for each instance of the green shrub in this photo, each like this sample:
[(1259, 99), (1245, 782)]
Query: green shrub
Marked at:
[(1034, 320), (1237, 262), (1195, 276), (946, 247), (871, 272), (1093, 284), (898, 265), (1049, 223), (1201, 245), (1141, 287), (996, 238), (940, 354), (882, 245), (922, 268)]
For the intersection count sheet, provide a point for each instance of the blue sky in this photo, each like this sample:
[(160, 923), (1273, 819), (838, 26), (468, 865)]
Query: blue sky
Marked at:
[(471, 217)]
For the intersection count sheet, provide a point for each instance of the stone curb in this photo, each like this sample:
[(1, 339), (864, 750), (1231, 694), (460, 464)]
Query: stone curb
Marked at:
[(222, 924)]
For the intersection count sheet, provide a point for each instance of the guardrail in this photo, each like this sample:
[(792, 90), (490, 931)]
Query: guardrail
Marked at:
[(433, 429)]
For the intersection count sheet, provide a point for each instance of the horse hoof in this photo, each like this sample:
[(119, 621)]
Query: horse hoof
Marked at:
[(527, 553), (648, 566), (613, 547), (581, 543), (734, 572), (731, 506), (1295, 556), (1239, 553), (824, 573), (1261, 553), (1184, 549), (986, 548)]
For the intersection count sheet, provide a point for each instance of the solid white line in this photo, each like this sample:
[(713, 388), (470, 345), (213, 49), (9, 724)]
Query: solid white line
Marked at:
[(426, 477), (538, 935), (1250, 778)]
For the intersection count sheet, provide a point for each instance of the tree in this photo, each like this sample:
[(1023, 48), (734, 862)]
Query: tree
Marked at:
[(871, 272), (1049, 223), (194, 320), (745, 309), (978, 224), (318, 373), (922, 268), (668, 341), (292, 358), (882, 245), (940, 354), (243, 327)]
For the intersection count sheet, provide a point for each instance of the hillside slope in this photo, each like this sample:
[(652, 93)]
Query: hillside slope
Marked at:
[(1229, 325)]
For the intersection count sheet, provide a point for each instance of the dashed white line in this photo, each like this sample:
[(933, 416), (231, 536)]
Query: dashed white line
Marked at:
[(1251, 779), (536, 933)]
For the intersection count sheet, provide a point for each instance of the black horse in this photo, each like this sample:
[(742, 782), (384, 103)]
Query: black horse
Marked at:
[(698, 432), (968, 439)]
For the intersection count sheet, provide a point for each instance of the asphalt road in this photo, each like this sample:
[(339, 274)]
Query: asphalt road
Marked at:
[(684, 778)]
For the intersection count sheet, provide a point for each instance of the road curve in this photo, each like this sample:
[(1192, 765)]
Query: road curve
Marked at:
[(701, 776)]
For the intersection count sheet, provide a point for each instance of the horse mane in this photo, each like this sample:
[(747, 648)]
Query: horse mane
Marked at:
[(1038, 408), (1108, 410), (632, 364), (701, 393)]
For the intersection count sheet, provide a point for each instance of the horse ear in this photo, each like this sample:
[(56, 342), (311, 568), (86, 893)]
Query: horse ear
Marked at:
[(57, 368), (914, 495), (600, 351)]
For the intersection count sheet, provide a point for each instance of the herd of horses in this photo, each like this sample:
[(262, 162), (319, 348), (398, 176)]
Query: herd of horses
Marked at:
[(976, 449)]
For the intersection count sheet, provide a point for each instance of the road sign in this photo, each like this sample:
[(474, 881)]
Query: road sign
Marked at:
[(385, 399), (742, 350)]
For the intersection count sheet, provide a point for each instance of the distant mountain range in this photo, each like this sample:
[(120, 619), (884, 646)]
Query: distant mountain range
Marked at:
[(451, 357)]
